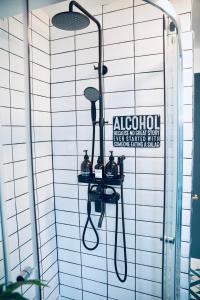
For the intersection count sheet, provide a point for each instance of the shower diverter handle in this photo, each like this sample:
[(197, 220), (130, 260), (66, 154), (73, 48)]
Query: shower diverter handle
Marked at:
[(104, 69)]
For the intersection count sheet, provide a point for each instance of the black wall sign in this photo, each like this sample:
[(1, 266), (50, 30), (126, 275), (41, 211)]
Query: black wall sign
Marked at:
[(142, 131)]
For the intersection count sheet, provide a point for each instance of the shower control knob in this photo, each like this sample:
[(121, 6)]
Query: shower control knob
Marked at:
[(104, 69)]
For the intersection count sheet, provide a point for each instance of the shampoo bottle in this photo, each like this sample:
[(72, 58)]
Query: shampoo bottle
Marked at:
[(98, 169), (86, 166), (111, 169)]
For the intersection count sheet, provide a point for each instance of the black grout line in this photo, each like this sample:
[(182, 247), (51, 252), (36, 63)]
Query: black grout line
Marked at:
[(38, 49), (50, 253), (108, 60), (110, 28), (101, 243), (111, 44), (11, 53), (106, 77), (93, 280), (41, 35), (35, 15), (131, 290), (131, 249)]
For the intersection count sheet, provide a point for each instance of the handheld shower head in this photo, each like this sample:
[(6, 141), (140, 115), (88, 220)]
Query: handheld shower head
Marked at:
[(92, 94), (70, 20)]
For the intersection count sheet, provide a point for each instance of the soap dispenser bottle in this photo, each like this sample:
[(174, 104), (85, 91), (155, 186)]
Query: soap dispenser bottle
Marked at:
[(86, 166), (111, 169), (98, 169)]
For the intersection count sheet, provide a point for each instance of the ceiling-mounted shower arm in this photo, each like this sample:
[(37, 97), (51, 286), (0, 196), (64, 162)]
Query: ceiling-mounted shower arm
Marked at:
[(101, 119)]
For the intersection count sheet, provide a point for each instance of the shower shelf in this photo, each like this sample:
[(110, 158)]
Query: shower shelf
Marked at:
[(108, 181)]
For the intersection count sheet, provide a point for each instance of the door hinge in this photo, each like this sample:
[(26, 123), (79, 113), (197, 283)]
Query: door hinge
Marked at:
[(168, 239)]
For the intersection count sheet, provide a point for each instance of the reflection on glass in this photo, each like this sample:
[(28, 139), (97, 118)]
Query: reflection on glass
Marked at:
[(15, 190)]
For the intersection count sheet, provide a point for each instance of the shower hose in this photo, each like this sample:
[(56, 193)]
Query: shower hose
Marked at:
[(89, 220)]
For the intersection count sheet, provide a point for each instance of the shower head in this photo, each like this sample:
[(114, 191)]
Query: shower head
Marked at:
[(70, 20), (92, 94)]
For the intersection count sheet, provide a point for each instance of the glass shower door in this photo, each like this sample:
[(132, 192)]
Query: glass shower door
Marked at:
[(173, 153), (173, 163), (15, 181)]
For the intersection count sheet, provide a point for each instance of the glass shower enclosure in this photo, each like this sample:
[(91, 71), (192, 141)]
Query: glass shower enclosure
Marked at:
[(18, 214), (15, 85), (173, 167), (173, 85)]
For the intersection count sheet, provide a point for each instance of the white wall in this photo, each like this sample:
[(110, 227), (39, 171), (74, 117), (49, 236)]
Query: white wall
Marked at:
[(42, 151), (134, 85)]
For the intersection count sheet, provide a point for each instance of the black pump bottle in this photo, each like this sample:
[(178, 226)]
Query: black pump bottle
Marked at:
[(86, 166), (111, 168), (98, 169)]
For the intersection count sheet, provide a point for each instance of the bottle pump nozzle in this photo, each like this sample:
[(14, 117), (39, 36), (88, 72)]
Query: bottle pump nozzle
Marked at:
[(111, 155), (86, 155)]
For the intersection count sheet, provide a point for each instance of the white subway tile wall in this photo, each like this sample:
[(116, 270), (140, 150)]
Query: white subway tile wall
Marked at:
[(42, 152), (14, 163), (133, 52), (61, 67)]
